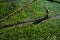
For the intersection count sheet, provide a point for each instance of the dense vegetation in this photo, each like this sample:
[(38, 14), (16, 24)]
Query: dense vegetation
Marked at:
[(29, 20)]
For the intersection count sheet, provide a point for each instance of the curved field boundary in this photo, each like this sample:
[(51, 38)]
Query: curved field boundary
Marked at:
[(36, 21), (15, 12), (54, 1)]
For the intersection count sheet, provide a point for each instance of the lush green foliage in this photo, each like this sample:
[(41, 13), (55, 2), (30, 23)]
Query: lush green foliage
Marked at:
[(46, 30)]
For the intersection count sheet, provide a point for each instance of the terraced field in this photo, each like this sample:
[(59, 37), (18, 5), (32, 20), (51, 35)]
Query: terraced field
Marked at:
[(30, 20)]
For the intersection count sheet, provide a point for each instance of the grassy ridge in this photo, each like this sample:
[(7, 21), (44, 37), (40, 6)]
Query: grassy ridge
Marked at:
[(7, 8)]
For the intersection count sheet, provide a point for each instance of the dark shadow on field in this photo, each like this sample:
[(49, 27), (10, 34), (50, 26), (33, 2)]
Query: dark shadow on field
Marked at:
[(54, 1), (12, 25), (36, 21)]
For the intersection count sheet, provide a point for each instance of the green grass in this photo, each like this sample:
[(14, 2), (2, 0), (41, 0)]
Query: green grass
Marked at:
[(7, 8), (46, 30), (31, 12)]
